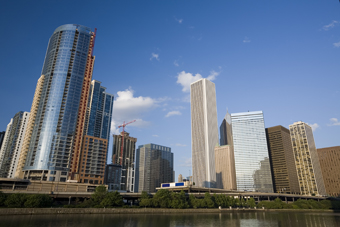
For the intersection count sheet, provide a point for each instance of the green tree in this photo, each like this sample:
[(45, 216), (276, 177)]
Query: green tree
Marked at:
[(145, 200), (230, 201), (16, 200), (99, 195), (112, 199), (3, 198), (208, 200), (192, 201), (37, 201), (251, 202), (179, 200), (243, 202), (237, 202), (162, 199)]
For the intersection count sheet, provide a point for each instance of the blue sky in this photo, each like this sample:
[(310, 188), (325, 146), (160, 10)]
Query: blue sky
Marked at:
[(281, 57)]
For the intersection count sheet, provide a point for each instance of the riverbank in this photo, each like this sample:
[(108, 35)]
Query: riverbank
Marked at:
[(39, 211)]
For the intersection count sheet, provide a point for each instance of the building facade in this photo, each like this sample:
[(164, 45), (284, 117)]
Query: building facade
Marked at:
[(251, 153), (93, 160), (282, 160), (154, 166), (225, 168), (126, 159), (99, 112), (226, 135), (329, 158), (30, 125), (306, 159), (204, 132), (57, 134), (113, 175), (2, 136), (11, 152)]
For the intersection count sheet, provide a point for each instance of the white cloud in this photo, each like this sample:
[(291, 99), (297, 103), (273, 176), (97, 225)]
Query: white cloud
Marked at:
[(126, 108), (156, 56), (331, 25), (179, 20), (180, 145), (155, 135), (185, 162), (176, 63), (334, 122), (314, 126), (172, 113), (185, 79), (336, 44), (246, 40)]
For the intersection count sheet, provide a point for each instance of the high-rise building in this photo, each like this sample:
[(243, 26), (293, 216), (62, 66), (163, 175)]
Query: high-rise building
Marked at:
[(282, 160), (113, 175), (11, 152), (329, 158), (99, 112), (226, 135), (225, 167), (126, 159), (30, 125), (5, 141), (56, 139), (154, 166), (92, 160), (2, 136), (204, 132), (180, 178), (251, 153), (306, 159)]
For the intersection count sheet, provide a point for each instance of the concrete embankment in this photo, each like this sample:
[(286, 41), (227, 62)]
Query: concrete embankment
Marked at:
[(35, 211)]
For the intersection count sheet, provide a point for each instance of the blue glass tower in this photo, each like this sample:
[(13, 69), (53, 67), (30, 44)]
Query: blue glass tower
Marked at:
[(99, 112), (68, 62)]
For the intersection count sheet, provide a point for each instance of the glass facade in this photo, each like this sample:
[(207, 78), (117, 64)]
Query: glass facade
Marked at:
[(99, 112), (251, 152), (56, 118), (154, 166)]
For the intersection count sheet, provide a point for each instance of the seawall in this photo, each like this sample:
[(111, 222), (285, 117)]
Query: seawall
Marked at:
[(39, 211)]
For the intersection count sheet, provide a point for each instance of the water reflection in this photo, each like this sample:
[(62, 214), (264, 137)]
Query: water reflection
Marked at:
[(236, 219)]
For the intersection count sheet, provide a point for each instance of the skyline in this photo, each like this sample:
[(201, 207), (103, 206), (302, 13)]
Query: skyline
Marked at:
[(278, 58)]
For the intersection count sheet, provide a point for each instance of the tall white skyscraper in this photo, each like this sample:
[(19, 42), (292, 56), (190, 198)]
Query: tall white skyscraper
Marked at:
[(204, 132), (251, 152)]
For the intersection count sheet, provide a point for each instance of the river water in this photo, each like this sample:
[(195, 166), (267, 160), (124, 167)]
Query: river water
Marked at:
[(247, 219)]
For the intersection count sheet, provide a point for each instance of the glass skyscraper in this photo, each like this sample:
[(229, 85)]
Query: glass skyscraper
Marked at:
[(251, 152), (58, 124), (99, 112), (154, 166)]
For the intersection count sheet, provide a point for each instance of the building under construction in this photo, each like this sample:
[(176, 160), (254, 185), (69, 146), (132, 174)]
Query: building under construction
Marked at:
[(125, 157)]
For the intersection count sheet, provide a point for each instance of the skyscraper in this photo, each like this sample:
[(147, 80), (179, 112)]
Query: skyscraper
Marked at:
[(282, 160), (251, 153), (99, 112), (125, 159), (11, 152), (306, 159), (225, 167), (204, 132), (154, 166), (329, 158), (57, 134)]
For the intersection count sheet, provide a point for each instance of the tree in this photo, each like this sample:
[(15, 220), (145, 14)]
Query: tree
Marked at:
[(145, 200), (179, 200), (112, 199), (162, 199), (37, 201), (251, 202), (16, 200), (3, 198), (208, 200), (99, 194)]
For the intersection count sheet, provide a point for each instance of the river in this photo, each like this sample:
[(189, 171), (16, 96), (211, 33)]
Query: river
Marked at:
[(235, 219)]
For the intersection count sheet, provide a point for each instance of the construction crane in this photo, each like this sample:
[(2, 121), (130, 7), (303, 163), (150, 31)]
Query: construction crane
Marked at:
[(122, 147)]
